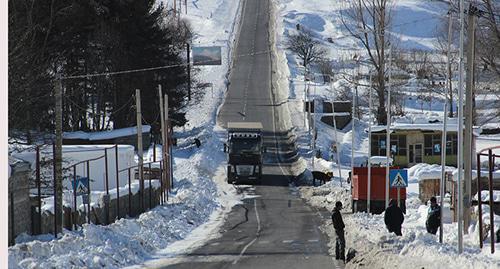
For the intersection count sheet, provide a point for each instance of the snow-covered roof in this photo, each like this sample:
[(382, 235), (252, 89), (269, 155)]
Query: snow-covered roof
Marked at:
[(419, 122), (381, 160), (105, 134), (424, 171)]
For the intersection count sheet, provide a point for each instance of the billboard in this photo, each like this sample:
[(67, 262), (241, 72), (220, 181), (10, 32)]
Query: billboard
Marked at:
[(207, 55)]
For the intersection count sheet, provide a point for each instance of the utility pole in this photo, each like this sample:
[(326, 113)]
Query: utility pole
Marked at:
[(175, 8), (188, 53), (388, 132), (167, 142), (139, 144), (460, 138), (336, 137), (305, 96), (471, 26), (448, 69), (443, 138), (369, 189), (58, 214), (163, 137), (353, 127)]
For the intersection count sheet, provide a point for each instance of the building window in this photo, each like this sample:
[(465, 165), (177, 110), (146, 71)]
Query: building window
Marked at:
[(432, 144), (451, 144), (398, 145)]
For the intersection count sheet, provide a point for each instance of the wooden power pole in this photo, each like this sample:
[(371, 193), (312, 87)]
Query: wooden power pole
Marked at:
[(58, 157), (139, 145)]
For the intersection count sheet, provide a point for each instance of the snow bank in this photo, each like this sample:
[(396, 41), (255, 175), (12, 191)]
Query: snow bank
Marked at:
[(485, 196), (377, 248)]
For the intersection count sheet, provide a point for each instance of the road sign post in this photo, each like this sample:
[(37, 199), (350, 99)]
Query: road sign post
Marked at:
[(398, 179)]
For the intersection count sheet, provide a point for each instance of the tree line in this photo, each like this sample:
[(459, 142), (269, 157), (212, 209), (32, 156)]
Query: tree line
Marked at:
[(67, 38)]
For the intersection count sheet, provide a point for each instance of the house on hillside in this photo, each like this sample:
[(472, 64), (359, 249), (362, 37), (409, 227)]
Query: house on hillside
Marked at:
[(413, 143)]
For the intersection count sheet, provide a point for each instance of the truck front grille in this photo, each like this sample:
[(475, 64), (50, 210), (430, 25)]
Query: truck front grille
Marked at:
[(244, 170)]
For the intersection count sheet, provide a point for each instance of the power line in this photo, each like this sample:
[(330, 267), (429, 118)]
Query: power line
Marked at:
[(151, 68), (94, 113)]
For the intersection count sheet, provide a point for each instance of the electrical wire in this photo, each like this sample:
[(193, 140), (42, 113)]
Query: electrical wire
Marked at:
[(150, 68), (95, 113)]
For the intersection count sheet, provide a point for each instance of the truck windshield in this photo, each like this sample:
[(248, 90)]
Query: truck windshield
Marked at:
[(245, 146)]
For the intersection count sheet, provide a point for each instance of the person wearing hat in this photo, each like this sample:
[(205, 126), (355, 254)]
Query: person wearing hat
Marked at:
[(394, 218), (338, 225), (433, 217)]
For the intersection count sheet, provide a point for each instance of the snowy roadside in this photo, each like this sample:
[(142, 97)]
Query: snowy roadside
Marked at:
[(366, 233), (200, 199), (377, 248)]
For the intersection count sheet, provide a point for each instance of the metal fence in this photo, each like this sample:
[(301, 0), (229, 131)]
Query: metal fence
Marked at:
[(82, 211)]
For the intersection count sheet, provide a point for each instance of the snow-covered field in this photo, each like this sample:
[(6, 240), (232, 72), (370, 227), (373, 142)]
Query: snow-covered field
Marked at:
[(200, 198)]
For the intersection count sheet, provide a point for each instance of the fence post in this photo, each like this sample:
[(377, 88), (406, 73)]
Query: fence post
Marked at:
[(154, 151), (150, 191), (141, 174), (106, 204), (73, 213), (55, 188), (12, 223), (129, 195), (117, 184), (479, 201), (490, 178), (88, 193), (39, 191), (161, 185)]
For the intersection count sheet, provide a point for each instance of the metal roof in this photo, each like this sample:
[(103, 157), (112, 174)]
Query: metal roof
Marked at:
[(244, 126)]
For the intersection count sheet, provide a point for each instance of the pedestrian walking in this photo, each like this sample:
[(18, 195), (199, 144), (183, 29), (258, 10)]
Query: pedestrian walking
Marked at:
[(394, 218), (338, 225), (433, 217)]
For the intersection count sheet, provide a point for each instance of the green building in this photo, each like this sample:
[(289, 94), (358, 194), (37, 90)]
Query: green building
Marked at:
[(416, 143)]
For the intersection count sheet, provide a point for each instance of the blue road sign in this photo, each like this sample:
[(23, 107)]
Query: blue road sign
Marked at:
[(398, 178), (81, 185)]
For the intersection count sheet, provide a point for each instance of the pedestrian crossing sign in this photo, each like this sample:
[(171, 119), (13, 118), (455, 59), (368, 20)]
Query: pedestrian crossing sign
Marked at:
[(398, 178), (81, 185)]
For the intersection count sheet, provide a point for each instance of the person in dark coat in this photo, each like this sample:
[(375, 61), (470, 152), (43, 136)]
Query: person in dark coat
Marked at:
[(394, 218), (433, 217), (338, 225)]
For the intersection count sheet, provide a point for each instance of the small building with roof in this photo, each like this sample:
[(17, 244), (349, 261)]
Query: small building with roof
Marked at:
[(416, 141)]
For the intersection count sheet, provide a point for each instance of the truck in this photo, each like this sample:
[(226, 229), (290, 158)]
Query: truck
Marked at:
[(245, 150)]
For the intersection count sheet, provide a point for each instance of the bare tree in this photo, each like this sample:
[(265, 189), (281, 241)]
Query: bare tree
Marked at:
[(366, 21), (307, 48), (326, 69)]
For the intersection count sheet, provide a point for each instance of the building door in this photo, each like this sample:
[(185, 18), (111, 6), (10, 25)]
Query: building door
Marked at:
[(415, 154)]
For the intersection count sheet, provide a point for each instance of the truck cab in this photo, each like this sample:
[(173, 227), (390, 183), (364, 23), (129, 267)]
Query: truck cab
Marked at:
[(245, 150)]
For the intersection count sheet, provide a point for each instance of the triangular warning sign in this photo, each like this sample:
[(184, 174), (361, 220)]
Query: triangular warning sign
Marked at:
[(399, 181)]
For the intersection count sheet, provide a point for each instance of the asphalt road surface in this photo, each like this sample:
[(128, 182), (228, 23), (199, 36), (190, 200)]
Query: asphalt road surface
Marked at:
[(276, 229)]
